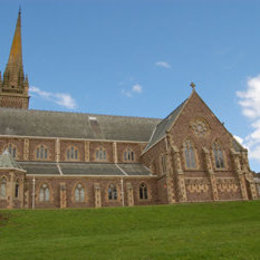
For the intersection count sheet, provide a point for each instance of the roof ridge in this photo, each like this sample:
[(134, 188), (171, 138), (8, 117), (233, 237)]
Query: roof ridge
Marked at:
[(77, 113)]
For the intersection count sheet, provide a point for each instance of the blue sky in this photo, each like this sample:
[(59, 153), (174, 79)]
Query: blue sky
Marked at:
[(138, 58)]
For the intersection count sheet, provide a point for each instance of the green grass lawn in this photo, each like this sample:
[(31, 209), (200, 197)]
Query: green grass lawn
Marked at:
[(228, 230)]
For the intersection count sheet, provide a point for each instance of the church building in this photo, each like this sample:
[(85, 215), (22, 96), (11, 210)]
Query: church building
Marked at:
[(72, 160)]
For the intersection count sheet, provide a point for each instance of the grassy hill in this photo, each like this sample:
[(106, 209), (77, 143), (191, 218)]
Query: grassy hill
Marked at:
[(228, 230)]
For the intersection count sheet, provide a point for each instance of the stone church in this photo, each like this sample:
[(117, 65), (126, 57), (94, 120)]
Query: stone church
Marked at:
[(65, 160)]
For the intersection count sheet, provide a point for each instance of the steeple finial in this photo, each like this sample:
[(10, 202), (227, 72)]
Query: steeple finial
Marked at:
[(192, 84)]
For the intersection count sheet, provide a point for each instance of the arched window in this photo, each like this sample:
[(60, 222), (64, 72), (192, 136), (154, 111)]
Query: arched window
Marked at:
[(143, 195), (79, 193), (12, 149), (3, 188), (218, 156), (42, 152), (129, 155), (44, 193), (189, 153), (112, 192), (16, 190), (72, 153), (163, 163), (101, 154)]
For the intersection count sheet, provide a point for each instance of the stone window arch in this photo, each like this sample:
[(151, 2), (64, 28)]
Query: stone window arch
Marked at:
[(189, 154), (44, 193), (143, 191), (112, 192), (129, 155), (17, 189), (79, 193), (72, 153), (218, 155), (3, 185), (101, 154), (163, 163), (12, 149), (41, 152)]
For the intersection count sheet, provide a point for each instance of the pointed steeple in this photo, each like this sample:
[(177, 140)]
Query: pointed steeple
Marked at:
[(14, 89), (15, 58)]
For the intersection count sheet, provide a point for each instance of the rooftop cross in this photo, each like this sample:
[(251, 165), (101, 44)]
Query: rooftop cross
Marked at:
[(192, 84)]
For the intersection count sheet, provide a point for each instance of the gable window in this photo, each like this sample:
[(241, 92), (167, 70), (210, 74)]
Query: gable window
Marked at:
[(129, 155), (218, 156), (112, 192), (143, 195), (16, 190), (79, 193), (189, 153), (44, 193), (101, 154), (72, 153), (3, 188), (42, 152)]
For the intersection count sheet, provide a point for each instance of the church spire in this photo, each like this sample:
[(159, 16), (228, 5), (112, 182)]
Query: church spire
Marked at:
[(15, 58), (14, 89)]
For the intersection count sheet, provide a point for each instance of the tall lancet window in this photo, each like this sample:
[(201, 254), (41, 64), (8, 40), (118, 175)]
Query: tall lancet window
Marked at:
[(101, 154), (42, 152), (129, 155), (112, 192), (189, 152), (3, 188), (72, 153), (17, 189), (11, 148), (143, 194), (218, 156), (79, 193), (44, 193)]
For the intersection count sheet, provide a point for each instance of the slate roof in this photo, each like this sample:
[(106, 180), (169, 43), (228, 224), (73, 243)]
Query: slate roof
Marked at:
[(75, 125), (84, 169), (134, 169), (7, 161), (40, 168), (163, 126)]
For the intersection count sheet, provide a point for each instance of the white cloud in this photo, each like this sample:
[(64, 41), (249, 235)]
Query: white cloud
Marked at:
[(126, 93), (239, 139), (249, 100), (61, 99), (135, 89), (163, 64)]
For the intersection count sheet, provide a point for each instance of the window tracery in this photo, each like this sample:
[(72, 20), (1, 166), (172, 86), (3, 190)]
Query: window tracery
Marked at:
[(200, 127), (143, 192), (79, 193), (41, 152), (72, 153), (190, 156), (12, 149), (218, 156), (112, 192), (129, 155), (3, 184), (101, 154), (44, 194)]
